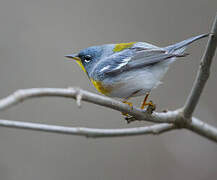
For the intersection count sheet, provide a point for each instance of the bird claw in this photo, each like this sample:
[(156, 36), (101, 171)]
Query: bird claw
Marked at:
[(129, 119), (126, 115), (151, 107)]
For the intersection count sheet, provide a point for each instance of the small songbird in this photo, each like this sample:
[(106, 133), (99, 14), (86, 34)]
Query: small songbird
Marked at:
[(131, 69)]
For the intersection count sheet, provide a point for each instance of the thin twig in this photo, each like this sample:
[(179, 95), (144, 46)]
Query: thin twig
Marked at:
[(89, 132), (24, 94), (203, 129), (203, 73), (79, 98)]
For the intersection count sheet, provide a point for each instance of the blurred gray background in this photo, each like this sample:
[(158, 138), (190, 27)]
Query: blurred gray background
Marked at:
[(35, 36)]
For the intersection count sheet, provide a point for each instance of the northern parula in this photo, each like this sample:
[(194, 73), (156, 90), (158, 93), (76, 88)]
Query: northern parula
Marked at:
[(129, 69)]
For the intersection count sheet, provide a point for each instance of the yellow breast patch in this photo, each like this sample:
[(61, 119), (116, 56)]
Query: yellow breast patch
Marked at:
[(102, 89), (122, 46)]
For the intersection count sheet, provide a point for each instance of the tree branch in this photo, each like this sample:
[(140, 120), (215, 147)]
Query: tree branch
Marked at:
[(203, 73), (203, 129), (24, 94), (89, 132), (174, 118)]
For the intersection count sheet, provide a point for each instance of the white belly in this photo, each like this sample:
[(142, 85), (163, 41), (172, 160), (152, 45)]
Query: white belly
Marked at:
[(137, 82)]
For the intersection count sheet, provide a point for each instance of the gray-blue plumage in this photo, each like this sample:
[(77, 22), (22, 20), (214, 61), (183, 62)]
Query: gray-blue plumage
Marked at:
[(146, 57), (184, 43), (135, 69)]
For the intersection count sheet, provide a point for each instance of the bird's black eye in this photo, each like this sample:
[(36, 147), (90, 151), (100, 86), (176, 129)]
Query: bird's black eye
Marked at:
[(87, 58)]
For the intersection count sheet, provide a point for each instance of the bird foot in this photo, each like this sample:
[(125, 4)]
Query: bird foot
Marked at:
[(126, 115), (151, 107), (129, 119), (150, 103)]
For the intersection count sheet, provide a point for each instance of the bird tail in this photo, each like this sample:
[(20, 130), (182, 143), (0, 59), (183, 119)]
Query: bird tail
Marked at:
[(179, 47)]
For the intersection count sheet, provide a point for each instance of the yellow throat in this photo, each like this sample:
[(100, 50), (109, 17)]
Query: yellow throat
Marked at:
[(97, 84), (81, 65)]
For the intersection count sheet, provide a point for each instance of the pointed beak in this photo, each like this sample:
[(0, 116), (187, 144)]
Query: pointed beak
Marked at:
[(73, 56)]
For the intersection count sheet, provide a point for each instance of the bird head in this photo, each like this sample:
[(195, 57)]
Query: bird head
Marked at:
[(88, 58)]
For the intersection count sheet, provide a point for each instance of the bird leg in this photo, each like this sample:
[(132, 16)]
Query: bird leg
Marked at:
[(150, 103), (127, 117), (128, 103)]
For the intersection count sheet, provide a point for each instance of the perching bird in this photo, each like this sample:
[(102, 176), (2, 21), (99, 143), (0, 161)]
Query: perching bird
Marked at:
[(130, 69)]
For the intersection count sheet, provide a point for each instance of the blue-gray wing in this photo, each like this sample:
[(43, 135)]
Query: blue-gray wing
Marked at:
[(134, 58), (142, 55)]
